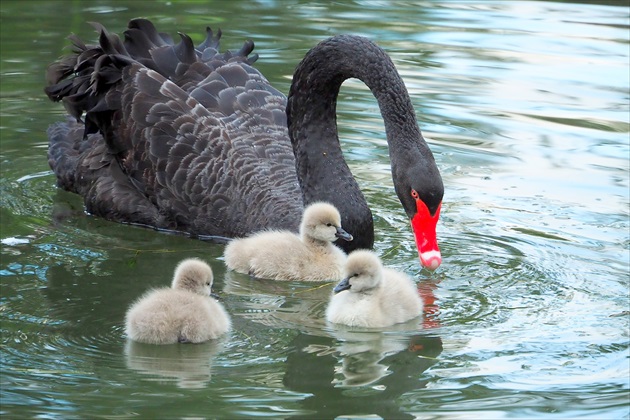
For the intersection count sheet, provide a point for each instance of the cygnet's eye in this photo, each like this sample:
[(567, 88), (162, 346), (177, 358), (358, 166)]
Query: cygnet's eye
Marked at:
[(329, 224), (208, 284)]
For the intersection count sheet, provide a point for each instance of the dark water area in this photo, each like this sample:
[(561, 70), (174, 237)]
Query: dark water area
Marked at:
[(526, 107)]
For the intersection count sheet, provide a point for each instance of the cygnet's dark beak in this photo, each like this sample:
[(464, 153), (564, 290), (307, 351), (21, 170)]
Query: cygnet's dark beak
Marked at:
[(343, 234), (343, 285), (214, 295)]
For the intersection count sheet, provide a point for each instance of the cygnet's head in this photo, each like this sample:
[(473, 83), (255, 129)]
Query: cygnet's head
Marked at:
[(322, 221), (363, 271), (194, 275)]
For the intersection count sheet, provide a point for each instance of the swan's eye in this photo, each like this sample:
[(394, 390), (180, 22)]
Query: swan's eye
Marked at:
[(208, 284), (329, 224), (414, 194)]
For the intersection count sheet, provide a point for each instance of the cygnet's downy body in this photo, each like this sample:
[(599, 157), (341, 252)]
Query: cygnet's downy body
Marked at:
[(283, 255), (183, 313), (371, 295)]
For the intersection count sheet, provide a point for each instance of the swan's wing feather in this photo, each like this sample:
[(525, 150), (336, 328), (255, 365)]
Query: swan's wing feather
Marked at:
[(164, 59), (185, 50), (147, 28), (212, 160), (139, 43), (211, 42), (234, 75), (196, 135)]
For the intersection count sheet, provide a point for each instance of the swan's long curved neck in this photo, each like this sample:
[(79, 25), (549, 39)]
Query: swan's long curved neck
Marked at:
[(316, 83), (311, 113)]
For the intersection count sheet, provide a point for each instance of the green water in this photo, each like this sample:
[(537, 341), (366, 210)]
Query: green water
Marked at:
[(526, 107)]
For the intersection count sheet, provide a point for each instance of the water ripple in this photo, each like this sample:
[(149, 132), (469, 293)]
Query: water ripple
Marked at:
[(525, 107)]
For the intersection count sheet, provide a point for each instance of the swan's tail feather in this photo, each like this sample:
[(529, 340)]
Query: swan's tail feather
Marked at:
[(62, 153), (84, 166), (87, 80)]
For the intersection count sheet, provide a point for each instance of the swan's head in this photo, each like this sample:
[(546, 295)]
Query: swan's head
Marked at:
[(420, 189), (363, 271), (194, 275), (322, 221)]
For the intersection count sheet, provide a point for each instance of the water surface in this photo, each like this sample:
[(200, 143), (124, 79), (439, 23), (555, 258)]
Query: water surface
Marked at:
[(526, 107)]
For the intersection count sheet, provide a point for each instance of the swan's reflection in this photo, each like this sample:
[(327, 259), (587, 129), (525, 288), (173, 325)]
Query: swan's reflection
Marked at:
[(379, 366), (190, 366)]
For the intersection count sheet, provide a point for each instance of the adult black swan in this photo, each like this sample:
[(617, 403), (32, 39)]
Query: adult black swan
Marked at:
[(186, 138)]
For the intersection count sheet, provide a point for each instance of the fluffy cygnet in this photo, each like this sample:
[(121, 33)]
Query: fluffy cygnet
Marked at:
[(184, 313), (371, 295), (283, 255)]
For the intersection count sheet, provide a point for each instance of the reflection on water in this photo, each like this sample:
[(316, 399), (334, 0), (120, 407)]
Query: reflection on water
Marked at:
[(358, 373), (364, 356), (525, 106), (190, 366), (279, 304), (302, 305)]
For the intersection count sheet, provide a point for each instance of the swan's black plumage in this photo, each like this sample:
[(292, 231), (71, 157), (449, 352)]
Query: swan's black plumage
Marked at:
[(187, 138), (175, 136)]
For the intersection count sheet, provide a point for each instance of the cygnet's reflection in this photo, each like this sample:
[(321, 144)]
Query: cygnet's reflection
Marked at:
[(190, 366), (382, 365), (360, 355)]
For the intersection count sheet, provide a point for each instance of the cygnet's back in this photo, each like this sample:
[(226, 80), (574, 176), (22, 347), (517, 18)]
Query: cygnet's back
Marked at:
[(371, 295), (283, 255), (183, 313)]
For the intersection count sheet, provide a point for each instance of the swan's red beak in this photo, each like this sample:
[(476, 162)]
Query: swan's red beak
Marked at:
[(424, 225)]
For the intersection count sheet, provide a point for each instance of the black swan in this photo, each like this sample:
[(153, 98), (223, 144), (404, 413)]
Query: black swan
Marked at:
[(185, 138)]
